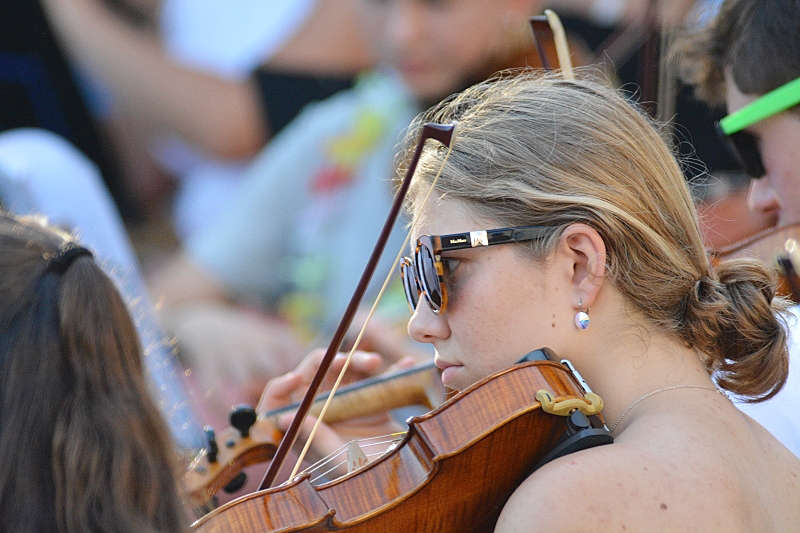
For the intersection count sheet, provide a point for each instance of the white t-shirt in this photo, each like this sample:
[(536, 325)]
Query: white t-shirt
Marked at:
[(780, 415), (229, 38), (298, 233)]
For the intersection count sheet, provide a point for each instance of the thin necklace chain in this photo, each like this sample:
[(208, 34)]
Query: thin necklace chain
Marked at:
[(645, 396)]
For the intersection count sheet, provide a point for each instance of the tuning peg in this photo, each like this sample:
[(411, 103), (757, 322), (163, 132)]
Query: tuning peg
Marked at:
[(236, 483), (243, 417), (212, 448)]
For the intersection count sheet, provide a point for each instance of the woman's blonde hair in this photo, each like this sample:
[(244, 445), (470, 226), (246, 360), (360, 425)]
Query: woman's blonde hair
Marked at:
[(533, 149), (84, 445)]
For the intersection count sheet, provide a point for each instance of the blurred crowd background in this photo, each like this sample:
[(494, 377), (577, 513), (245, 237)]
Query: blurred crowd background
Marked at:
[(231, 162)]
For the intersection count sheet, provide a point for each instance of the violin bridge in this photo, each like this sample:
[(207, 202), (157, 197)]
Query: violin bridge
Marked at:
[(355, 456)]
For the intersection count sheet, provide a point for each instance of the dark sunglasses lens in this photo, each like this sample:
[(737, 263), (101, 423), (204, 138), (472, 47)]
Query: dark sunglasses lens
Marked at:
[(426, 267), (745, 147), (410, 286)]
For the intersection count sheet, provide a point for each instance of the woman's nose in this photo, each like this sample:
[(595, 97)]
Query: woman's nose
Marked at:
[(762, 198), (427, 326), (403, 30)]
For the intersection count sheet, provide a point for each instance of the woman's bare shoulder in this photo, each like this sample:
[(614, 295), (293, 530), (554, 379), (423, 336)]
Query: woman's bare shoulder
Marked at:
[(619, 487), (585, 491)]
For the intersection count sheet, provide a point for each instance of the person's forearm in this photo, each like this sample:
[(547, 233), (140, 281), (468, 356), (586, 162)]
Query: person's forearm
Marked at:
[(181, 282), (219, 115)]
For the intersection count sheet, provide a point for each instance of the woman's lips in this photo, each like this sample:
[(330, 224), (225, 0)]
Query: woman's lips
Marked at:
[(449, 371), (411, 68), (442, 365)]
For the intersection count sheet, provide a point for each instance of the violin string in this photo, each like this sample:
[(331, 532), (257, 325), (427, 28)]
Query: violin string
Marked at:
[(314, 468), (325, 473), (346, 365), (327, 459), (379, 443), (362, 443), (341, 464), (367, 442)]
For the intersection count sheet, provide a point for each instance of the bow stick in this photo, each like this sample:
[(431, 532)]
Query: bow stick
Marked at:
[(549, 26), (439, 132)]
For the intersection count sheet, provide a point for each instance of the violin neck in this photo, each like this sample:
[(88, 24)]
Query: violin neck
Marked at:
[(779, 245), (415, 386), (789, 264)]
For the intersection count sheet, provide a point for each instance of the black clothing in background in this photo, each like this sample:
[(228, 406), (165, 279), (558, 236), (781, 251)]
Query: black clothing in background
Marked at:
[(284, 94), (38, 89), (693, 122)]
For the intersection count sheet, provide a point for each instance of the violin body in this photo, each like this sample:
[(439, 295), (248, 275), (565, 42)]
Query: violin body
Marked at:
[(778, 247), (453, 471)]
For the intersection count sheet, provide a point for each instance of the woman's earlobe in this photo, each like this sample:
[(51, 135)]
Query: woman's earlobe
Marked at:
[(588, 252)]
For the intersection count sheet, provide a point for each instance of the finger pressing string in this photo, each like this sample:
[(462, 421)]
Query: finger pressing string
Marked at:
[(278, 392)]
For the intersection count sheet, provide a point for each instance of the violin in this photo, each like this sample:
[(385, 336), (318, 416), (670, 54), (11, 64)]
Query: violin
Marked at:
[(453, 470), (778, 247), (253, 438)]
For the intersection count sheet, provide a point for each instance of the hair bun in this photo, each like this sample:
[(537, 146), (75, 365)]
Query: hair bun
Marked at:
[(730, 317)]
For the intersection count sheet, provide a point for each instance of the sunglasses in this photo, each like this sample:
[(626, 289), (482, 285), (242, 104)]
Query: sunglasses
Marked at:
[(744, 145), (425, 274)]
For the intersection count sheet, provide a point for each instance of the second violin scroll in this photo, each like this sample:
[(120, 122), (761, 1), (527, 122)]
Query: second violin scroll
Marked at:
[(234, 451), (778, 247)]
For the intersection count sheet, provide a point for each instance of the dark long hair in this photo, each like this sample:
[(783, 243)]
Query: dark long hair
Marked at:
[(83, 445)]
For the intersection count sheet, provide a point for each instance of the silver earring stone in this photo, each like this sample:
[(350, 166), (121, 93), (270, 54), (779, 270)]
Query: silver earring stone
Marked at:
[(582, 320)]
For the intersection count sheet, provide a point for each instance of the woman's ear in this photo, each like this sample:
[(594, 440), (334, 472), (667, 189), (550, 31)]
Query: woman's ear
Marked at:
[(584, 252)]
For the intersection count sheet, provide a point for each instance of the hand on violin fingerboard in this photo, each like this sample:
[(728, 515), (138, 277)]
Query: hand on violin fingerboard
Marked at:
[(288, 388)]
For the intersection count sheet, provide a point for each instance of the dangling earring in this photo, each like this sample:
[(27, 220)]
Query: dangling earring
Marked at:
[(581, 317)]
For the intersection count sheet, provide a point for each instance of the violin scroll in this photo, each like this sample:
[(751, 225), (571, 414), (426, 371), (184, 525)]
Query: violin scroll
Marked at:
[(778, 247)]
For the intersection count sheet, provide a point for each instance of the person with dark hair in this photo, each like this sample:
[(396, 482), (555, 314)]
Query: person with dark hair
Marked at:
[(748, 57), (43, 174), (84, 445)]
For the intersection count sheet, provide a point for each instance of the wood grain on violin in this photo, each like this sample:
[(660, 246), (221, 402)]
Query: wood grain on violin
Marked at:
[(778, 247), (416, 386), (453, 471)]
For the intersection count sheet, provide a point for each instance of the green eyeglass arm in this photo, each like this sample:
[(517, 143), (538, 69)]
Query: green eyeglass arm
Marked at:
[(772, 103)]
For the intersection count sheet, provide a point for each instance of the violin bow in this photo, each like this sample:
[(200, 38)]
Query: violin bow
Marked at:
[(541, 35), (549, 25), (442, 133)]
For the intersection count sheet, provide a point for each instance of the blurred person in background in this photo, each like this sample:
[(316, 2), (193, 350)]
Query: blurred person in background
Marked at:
[(203, 85), (748, 51)]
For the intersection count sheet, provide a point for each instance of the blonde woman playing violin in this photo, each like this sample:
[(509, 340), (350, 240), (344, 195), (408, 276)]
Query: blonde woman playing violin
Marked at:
[(602, 261)]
